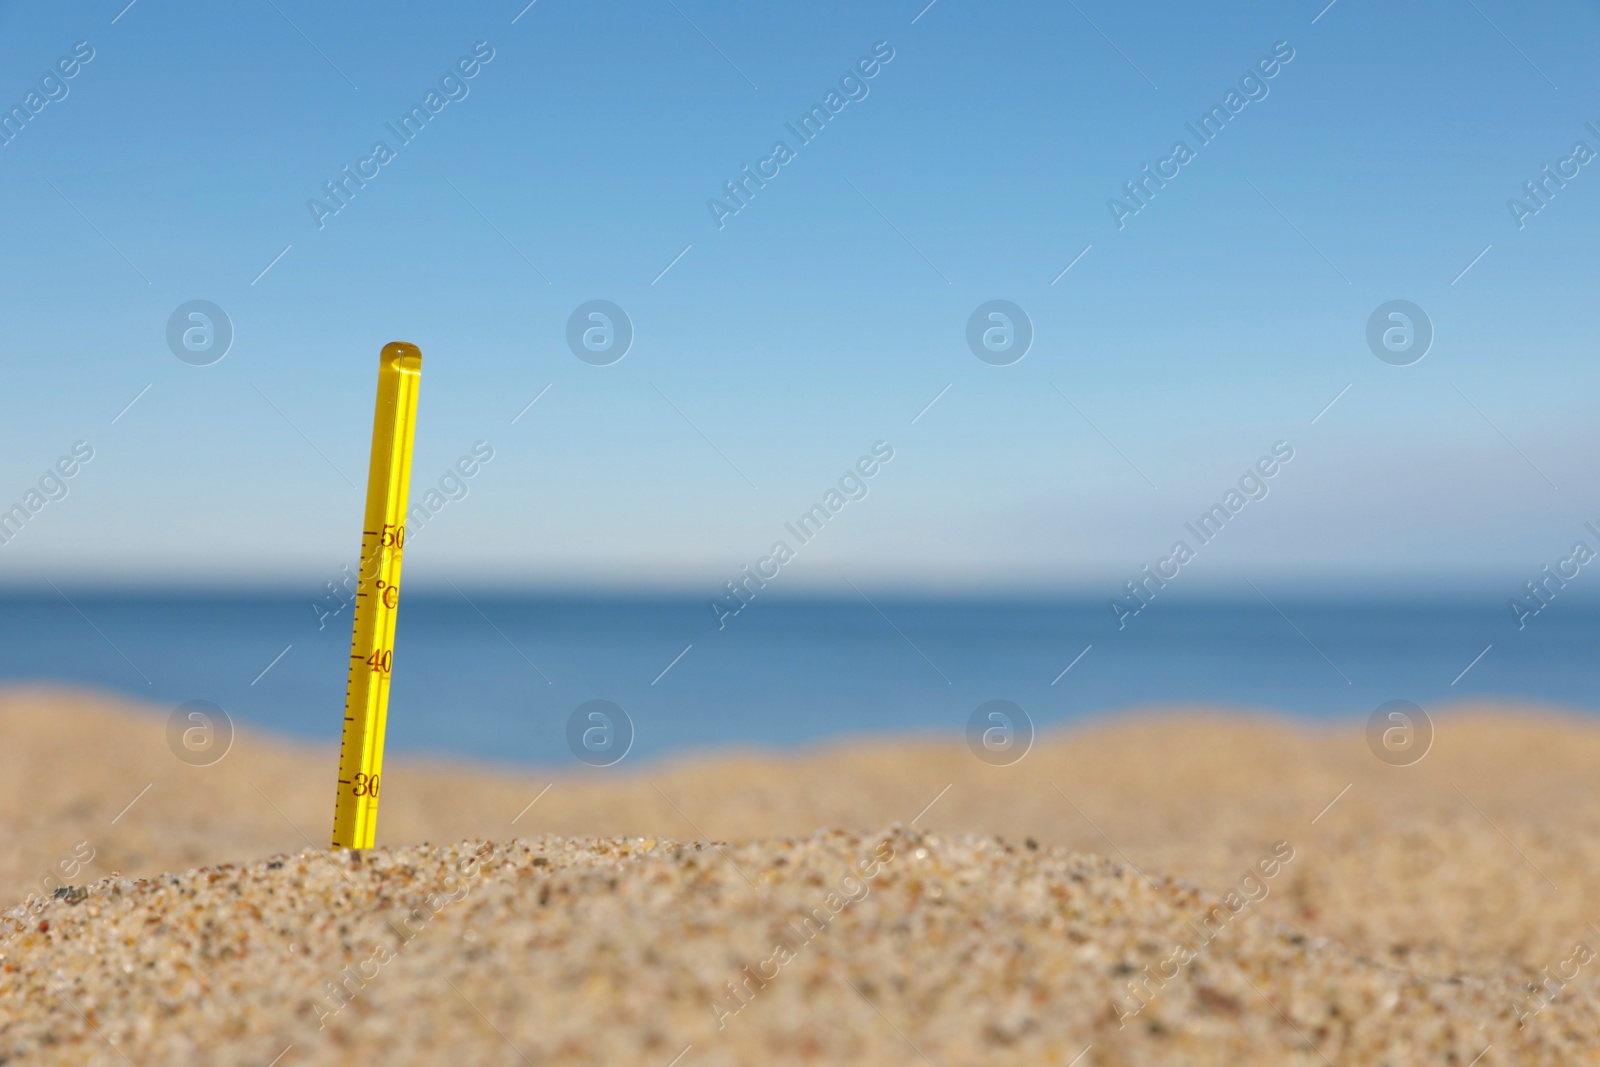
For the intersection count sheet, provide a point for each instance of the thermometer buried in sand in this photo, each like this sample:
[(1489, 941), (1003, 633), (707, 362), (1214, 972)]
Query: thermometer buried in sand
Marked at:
[(383, 539)]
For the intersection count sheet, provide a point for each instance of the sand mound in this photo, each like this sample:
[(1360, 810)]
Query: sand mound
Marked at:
[(899, 947)]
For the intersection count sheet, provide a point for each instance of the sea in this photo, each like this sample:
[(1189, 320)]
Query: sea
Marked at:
[(506, 676)]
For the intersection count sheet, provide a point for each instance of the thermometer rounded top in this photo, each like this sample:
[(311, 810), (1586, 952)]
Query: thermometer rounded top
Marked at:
[(401, 355)]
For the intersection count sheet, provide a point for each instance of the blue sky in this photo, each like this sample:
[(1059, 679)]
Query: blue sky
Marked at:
[(826, 314)]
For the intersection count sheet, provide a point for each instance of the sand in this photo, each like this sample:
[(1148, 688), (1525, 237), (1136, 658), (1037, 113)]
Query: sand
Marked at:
[(1183, 886)]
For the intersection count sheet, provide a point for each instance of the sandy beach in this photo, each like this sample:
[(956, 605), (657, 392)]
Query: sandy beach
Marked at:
[(1186, 886)]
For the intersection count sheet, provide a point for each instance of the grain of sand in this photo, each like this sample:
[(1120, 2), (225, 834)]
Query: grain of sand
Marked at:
[(1185, 886)]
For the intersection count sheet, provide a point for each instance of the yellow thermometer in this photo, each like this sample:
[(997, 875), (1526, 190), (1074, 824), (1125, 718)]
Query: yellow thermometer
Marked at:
[(383, 541)]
